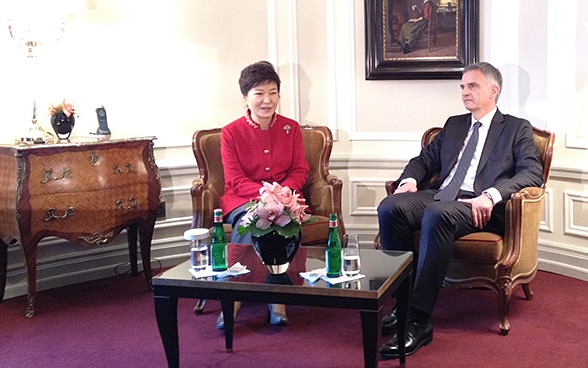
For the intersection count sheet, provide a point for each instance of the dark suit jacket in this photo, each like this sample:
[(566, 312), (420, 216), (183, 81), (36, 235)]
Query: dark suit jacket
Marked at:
[(509, 161)]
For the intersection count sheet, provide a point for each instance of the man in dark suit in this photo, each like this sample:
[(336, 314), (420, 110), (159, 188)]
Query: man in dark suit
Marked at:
[(475, 182)]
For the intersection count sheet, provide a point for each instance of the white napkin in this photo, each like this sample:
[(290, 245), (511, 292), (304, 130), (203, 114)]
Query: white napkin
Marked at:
[(321, 273), (314, 275), (235, 270), (340, 279)]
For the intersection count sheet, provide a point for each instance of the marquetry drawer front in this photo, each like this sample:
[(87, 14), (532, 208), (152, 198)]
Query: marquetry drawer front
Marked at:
[(69, 172), (90, 212)]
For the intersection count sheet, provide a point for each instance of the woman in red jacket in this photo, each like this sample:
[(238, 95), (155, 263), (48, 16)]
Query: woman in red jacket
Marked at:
[(261, 146)]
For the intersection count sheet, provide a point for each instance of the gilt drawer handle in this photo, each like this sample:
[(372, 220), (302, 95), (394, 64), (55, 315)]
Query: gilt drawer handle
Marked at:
[(128, 165), (96, 238), (65, 173), (93, 158), (69, 211), (130, 168), (132, 204)]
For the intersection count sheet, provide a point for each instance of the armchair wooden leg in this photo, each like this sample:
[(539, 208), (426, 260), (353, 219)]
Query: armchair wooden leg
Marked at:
[(503, 306), (199, 307), (528, 291), (503, 316)]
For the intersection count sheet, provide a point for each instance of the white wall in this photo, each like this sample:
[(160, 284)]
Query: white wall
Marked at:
[(169, 67)]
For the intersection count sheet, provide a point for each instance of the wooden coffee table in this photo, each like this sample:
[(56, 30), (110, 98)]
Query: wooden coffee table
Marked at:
[(386, 272)]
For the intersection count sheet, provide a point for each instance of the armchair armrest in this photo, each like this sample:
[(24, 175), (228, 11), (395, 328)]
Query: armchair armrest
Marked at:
[(391, 186), (205, 199), (323, 195), (522, 220)]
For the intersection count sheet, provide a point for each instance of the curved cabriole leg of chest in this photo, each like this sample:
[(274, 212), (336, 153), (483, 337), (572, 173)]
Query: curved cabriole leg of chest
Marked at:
[(132, 241), (145, 237), (145, 232), (29, 248)]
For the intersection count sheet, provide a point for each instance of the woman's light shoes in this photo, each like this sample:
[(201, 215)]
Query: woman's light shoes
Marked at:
[(220, 321), (276, 315)]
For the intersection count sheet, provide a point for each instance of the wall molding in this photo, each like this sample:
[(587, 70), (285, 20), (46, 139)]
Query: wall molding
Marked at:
[(414, 137), (571, 200), (342, 61), (356, 184), (546, 223), (331, 70)]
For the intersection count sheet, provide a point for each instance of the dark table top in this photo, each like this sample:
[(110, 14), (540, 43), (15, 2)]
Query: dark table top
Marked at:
[(381, 269)]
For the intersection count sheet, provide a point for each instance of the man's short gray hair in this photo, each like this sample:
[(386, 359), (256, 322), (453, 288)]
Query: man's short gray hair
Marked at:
[(492, 74)]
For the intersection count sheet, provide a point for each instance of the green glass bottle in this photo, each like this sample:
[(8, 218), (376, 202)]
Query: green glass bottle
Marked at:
[(218, 244), (333, 252)]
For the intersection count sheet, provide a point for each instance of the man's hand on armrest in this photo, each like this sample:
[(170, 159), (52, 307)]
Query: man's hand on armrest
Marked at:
[(406, 187)]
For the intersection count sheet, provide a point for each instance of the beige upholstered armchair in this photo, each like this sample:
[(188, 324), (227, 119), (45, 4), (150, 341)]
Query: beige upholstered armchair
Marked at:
[(322, 190), (498, 263)]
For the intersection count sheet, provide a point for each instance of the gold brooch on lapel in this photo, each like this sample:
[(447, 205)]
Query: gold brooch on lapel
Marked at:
[(287, 128)]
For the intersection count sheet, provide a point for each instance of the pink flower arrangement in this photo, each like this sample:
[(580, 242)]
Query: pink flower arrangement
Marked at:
[(278, 209), (66, 107)]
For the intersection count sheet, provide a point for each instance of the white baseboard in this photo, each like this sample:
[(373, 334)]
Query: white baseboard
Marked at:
[(563, 259)]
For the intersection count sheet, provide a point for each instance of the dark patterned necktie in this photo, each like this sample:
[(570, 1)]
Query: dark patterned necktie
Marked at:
[(450, 191)]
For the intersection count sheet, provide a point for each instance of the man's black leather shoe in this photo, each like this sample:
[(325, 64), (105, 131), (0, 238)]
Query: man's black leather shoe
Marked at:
[(417, 335), (389, 323)]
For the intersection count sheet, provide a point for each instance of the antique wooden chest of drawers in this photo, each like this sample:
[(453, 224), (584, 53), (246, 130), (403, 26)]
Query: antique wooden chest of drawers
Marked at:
[(84, 192)]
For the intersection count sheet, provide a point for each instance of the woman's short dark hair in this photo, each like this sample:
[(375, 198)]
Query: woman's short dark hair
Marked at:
[(256, 74)]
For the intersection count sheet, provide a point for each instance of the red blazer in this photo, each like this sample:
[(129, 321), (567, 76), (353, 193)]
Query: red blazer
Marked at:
[(251, 156)]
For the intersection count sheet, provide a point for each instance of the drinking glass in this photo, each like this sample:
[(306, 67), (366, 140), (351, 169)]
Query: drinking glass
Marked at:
[(352, 285), (351, 261), (198, 247)]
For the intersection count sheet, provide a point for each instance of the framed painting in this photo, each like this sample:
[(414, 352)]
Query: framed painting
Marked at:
[(416, 39)]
